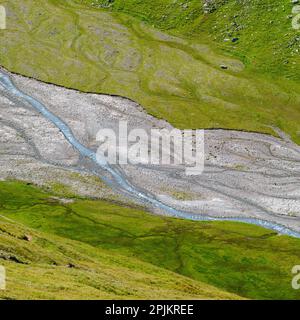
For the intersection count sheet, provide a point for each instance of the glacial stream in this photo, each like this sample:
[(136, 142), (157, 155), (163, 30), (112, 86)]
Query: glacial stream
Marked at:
[(117, 177)]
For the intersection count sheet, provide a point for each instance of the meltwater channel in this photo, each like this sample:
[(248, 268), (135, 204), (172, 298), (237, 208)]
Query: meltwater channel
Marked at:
[(118, 178)]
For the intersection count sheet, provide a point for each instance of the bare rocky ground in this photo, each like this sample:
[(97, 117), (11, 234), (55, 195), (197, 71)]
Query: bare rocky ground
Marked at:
[(246, 174)]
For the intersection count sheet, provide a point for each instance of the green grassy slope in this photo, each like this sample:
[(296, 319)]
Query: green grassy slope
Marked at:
[(177, 78), (50, 267), (267, 42), (246, 260)]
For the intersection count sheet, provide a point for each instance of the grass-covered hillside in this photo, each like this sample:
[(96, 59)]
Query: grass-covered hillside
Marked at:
[(51, 267), (266, 41), (195, 77), (54, 248)]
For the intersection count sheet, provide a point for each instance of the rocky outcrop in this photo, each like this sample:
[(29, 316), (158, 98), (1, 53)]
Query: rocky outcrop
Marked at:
[(210, 6)]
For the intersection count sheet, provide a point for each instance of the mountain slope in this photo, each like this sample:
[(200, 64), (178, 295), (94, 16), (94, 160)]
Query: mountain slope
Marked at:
[(184, 80), (243, 259), (266, 43), (51, 267)]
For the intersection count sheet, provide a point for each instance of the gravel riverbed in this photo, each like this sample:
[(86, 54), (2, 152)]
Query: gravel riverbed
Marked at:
[(246, 174)]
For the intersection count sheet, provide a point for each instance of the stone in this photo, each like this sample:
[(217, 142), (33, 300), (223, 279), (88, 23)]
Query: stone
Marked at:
[(27, 237)]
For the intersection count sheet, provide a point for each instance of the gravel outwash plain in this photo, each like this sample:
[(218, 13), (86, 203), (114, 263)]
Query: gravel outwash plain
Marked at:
[(246, 174)]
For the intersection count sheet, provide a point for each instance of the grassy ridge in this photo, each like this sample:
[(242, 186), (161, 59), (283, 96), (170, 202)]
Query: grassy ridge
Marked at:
[(246, 260), (173, 77)]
